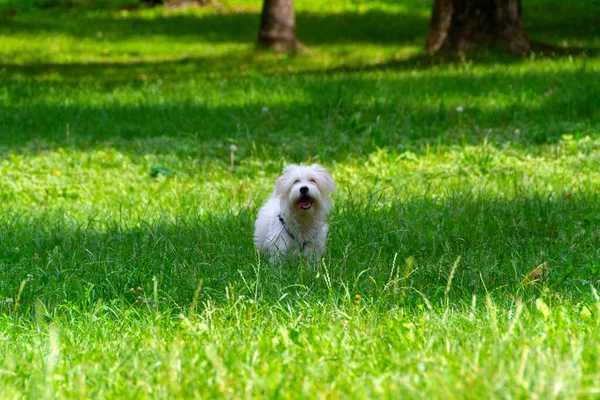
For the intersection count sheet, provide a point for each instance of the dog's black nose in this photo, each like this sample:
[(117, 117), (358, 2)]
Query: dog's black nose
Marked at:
[(304, 189)]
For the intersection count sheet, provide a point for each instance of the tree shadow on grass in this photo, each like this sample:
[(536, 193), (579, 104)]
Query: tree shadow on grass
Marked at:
[(246, 62), (499, 241), (331, 116), (232, 27), (335, 112), (572, 32), (565, 31), (372, 26)]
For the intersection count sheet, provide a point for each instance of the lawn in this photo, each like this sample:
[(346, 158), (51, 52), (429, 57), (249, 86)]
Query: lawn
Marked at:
[(457, 176)]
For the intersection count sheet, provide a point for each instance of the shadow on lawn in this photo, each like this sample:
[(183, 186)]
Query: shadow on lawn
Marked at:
[(569, 35), (499, 241), (344, 106), (239, 27), (334, 117), (247, 62), (373, 26)]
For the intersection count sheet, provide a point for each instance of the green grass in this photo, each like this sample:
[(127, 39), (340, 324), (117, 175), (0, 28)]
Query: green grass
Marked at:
[(456, 177)]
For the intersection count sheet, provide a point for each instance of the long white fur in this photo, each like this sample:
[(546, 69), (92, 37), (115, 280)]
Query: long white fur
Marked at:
[(301, 230)]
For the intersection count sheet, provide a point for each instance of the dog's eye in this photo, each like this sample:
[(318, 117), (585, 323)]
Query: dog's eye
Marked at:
[(313, 181), (296, 181)]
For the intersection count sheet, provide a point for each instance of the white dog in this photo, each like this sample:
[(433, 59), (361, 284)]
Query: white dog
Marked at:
[(293, 219)]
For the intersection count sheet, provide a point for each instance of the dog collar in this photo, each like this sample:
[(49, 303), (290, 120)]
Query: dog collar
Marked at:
[(287, 230)]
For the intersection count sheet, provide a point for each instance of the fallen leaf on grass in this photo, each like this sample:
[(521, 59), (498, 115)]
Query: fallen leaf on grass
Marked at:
[(539, 274)]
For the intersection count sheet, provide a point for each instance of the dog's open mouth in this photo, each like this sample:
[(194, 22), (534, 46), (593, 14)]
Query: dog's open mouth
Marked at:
[(305, 203)]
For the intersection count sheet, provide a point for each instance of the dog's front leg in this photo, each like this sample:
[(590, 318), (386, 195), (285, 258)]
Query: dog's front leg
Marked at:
[(313, 250)]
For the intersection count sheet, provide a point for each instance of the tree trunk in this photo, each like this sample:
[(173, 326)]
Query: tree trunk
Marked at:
[(277, 26), (457, 24), (152, 3)]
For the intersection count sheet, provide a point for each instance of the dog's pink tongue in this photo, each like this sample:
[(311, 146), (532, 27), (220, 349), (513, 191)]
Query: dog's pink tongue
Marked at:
[(302, 204)]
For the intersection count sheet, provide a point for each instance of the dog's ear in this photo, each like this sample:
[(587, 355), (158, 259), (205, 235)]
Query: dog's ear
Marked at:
[(282, 183), (324, 180)]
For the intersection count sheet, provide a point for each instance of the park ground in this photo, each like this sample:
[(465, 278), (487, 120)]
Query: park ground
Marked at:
[(457, 176)]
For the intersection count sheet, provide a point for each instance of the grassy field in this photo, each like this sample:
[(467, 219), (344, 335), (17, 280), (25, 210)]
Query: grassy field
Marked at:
[(456, 178)]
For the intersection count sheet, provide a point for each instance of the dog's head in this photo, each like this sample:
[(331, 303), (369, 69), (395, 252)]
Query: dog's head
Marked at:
[(304, 190)]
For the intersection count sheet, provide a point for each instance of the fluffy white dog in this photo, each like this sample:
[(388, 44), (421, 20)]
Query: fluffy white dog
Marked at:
[(292, 221)]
